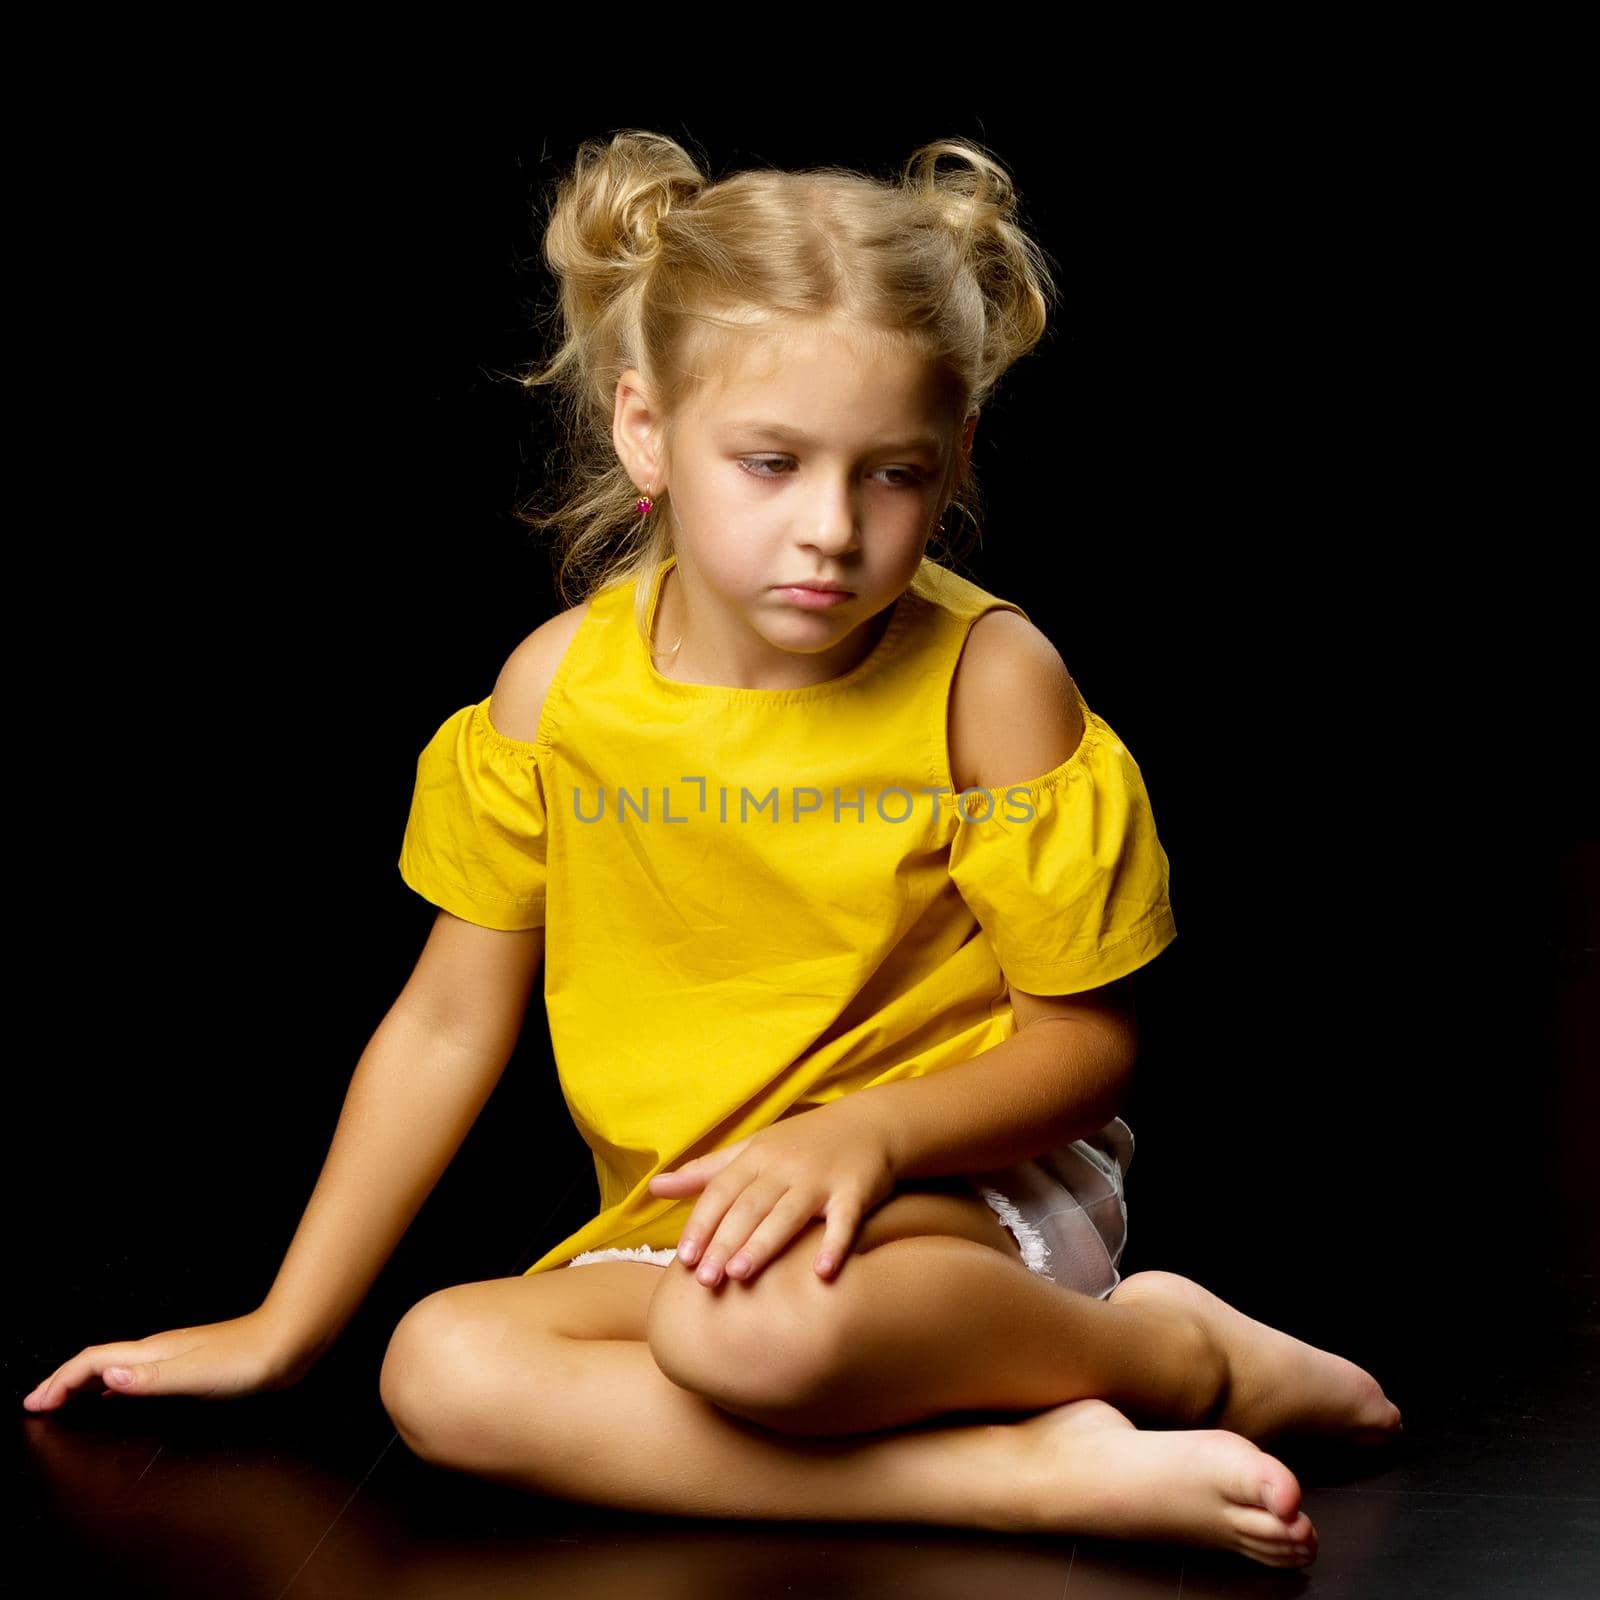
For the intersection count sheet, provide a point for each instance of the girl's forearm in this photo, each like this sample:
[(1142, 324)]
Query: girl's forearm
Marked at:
[(1049, 1083), (412, 1099)]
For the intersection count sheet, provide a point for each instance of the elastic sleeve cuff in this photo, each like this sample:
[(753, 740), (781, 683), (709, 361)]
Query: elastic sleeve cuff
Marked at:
[(1138, 948)]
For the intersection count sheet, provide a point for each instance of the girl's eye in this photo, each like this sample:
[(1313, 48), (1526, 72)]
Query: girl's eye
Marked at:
[(904, 477)]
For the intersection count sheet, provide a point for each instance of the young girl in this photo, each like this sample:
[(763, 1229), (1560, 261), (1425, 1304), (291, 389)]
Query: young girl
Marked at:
[(838, 886)]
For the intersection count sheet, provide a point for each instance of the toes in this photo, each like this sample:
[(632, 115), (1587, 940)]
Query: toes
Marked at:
[(1272, 1533), (1276, 1539), (1281, 1499), (1272, 1554)]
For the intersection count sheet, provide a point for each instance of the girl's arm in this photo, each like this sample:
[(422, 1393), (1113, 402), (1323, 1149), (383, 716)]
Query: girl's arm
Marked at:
[(417, 1089), (421, 1082), (1060, 1076)]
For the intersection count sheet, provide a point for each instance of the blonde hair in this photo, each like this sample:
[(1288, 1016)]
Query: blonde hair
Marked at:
[(662, 269)]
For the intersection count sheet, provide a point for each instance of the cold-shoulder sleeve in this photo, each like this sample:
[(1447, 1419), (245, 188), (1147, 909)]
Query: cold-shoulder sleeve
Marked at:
[(1065, 873), (475, 838)]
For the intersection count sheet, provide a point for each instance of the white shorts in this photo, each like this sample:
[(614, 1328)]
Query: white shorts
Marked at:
[(1067, 1210)]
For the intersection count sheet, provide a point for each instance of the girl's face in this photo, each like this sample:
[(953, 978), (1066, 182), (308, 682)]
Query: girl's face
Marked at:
[(828, 465)]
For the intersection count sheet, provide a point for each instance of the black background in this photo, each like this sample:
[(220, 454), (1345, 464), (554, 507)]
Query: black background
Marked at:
[(1284, 483)]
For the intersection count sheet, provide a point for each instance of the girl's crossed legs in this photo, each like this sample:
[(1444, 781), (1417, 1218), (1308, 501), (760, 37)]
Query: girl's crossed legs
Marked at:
[(627, 1384)]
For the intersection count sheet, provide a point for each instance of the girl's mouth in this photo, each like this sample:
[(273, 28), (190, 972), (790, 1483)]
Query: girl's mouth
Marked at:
[(814, 599)]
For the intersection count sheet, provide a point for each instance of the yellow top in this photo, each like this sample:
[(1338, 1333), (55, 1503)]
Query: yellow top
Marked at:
[(758, 900)]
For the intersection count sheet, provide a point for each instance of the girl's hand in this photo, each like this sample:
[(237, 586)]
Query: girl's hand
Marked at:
[(760, 1192), (217, 1361)]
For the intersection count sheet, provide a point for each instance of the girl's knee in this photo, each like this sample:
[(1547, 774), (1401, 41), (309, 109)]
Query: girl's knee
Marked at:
[(404, 1379), (442, 1369), (771, 1343)]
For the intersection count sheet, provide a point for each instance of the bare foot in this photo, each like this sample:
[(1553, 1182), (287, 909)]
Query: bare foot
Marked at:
[(1205, 1486), (1277, 1384)]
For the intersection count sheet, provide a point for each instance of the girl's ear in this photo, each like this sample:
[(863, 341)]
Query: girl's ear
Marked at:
[(634, 429)]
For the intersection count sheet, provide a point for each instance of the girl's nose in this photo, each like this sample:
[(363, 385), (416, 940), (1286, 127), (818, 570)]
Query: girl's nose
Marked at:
[(834, 524)]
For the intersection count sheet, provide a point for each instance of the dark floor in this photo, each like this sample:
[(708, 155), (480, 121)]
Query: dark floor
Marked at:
[(1493, 1490)]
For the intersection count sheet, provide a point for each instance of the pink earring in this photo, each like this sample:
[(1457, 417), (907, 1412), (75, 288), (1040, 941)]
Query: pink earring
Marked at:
[(645, 502)]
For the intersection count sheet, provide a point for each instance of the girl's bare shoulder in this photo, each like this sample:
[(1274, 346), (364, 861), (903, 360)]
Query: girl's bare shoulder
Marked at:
[(519, 692), (1014, 711)]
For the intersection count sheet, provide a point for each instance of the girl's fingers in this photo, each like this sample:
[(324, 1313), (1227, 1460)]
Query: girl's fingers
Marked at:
[(60, 1384), (87, 1365), (700, 1231), (785, 1220), (836, 1239), (733, 1233)]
